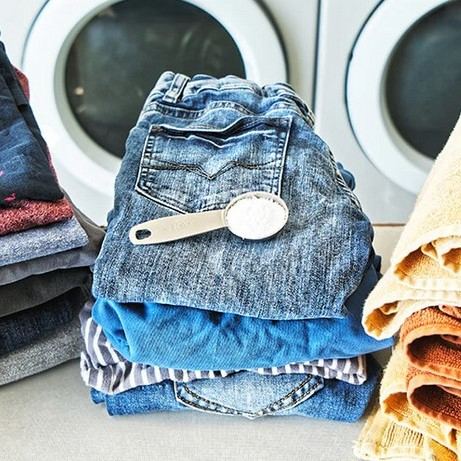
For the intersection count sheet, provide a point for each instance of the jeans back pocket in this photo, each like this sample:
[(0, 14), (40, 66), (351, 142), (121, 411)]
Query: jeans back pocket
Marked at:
[(200, 168)]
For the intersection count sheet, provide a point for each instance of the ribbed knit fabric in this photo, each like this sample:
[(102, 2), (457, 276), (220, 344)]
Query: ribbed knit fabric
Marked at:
[(25, 214), (384, 439), (425, 267)]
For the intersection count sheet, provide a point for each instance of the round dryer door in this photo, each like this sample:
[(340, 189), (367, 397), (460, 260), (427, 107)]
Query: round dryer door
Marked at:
[(404, 86), (92, 64)]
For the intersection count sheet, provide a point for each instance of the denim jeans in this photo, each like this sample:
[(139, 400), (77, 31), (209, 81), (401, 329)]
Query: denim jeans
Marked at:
[(196, 339), (21, 328), (24, 168), (198, 144), (76, 257), (251, 395)]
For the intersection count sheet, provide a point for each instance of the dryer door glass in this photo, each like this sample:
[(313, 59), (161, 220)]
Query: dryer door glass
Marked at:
[(423, 81), (118, 55)]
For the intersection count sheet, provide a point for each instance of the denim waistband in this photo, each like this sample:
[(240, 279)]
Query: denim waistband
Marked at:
[(175, 87)]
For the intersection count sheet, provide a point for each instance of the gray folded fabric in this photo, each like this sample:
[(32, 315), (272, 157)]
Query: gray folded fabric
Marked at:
[(38, 289), (42, 241), (78, 257), (61, 346)]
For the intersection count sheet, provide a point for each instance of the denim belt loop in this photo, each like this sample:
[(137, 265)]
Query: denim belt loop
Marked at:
[(176, 89)]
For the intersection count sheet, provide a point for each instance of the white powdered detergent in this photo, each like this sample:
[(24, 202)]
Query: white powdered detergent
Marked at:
[(255, 217)]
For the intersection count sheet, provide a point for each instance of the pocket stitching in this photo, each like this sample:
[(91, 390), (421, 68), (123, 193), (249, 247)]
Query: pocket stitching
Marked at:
[(262, 412), (276, 164)]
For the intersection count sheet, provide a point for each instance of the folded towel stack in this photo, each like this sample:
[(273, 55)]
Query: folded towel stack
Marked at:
[(214, 322), (47, 246), (419, 415)]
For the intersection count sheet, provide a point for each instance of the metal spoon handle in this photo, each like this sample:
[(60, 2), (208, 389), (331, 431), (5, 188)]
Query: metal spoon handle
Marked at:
[(176, 227)]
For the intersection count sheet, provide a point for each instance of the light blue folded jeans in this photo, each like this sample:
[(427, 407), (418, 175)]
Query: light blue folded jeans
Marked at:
[(199, 143), (251, 395)]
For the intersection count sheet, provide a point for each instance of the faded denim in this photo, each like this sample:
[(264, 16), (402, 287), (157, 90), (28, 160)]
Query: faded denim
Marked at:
[(195, 339), (251, 395), (199, 143), (64, 344)]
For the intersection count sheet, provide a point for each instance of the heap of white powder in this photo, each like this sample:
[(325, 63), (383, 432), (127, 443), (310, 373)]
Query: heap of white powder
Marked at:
[(256, 218)]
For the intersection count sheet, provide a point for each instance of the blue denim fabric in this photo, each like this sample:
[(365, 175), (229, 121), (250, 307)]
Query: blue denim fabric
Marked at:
[(76, 257), (24, 166), (198, 144), (42, 241), (195, 339), (21, 328), (251, 395)]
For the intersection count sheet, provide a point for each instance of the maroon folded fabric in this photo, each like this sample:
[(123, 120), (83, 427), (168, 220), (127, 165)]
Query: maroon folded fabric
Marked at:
[(26, 214)]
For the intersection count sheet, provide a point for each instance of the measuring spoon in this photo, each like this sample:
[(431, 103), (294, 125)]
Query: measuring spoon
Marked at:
[(253, 216)]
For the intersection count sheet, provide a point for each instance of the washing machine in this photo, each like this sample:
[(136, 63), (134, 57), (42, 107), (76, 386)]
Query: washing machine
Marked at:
[(388, 93), (92, 63)]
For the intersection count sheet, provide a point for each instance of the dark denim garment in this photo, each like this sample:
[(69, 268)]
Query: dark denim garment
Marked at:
[(24, 165), (62, 345), (21, 328), (196, 339), (201, 142), (38, 289), (251, 395)]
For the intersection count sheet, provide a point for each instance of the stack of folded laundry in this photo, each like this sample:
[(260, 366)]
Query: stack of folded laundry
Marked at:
[(419, 415), (214, 322), (46, 245)]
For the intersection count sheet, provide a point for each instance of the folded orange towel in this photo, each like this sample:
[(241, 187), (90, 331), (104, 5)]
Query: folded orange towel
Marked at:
[(430, 338), (425, 266), (396, 406), (434, 395)]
